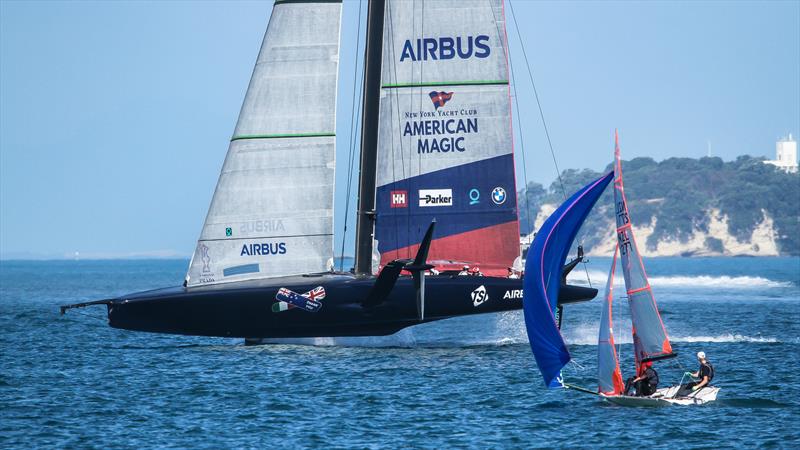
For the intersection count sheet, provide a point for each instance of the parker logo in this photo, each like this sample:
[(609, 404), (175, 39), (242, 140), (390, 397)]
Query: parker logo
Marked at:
[(399, 199), (479, 296), (435, 197), (512, 294)]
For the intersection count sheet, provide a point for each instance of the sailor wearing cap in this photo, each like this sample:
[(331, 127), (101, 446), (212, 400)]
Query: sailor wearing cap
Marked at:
[(705, 373)]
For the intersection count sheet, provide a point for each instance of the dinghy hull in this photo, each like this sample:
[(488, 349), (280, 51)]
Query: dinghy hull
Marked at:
[(666, 397)]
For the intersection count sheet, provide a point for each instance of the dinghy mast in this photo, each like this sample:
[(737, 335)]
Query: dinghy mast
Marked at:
[(650, 339)]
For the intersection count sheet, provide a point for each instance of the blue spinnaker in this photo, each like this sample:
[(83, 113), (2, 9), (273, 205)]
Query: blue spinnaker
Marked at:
[(543, 268)]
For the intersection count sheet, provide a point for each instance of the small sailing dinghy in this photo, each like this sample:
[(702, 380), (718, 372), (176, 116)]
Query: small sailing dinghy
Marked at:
[(436, 147), (650, 341)]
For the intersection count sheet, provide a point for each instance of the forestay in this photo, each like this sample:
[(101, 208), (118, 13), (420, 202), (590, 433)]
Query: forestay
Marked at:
[(445, 145), (272, 210), (649, 336), (608, 371)]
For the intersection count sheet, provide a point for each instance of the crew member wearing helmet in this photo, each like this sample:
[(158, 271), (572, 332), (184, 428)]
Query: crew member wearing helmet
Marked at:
[(464, 270)]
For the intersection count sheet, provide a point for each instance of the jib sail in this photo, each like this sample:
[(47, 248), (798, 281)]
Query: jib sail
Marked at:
[(272, 210), (608, 372), (445, 144), (650, 340), (542, 281)]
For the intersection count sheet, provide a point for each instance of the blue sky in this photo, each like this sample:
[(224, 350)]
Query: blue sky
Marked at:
[(115, 116)]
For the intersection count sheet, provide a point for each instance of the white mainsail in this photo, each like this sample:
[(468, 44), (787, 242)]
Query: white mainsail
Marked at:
[(272, 210)]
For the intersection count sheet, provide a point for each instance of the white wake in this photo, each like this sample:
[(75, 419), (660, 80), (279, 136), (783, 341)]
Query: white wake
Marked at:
[(599, 278)]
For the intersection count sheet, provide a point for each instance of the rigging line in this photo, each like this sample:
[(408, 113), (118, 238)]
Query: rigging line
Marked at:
[(351, 156), (521, 141), (399, 123), (544, 125), (419, 108), (519, 117), (89, 315), (538, 103)]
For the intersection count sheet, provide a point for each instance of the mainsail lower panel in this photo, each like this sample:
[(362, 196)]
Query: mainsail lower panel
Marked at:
[(445, 144), (272, 210)]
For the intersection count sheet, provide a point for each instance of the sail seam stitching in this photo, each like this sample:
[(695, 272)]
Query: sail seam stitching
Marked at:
[(265, 237), (445, 83), (281, 135), (280, 2)]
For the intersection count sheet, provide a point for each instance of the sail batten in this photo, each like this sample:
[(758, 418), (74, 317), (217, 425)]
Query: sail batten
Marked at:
[(272, 210), (446, 83)]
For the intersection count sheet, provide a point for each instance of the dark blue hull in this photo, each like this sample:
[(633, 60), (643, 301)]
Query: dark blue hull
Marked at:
[(250, 310)]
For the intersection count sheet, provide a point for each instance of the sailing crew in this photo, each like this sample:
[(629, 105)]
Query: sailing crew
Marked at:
[(704, 375), (512, 274), (476, 272), (645, 384), (464, 270)]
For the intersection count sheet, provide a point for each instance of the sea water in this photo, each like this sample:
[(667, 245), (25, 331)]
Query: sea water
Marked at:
[(72, 381)]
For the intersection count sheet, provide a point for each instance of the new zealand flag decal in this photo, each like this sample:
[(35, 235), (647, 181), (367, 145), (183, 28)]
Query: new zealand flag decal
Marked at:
[(440, 98)]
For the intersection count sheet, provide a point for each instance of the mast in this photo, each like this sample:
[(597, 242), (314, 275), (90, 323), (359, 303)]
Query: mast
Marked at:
[(373, 55)]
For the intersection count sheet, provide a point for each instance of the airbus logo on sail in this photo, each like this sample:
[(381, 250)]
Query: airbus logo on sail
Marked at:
[(263, 249), (444, 48)]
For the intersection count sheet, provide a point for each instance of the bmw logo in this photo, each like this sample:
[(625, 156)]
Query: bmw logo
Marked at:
[(499, 195)]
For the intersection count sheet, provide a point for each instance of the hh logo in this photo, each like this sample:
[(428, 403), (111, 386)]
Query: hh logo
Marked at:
[(399, 199), (479, 296)]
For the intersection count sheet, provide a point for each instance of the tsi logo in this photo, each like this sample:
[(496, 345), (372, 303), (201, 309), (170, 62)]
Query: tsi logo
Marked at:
[(479, 296), (435, 197), (499, 195), (399, 199)]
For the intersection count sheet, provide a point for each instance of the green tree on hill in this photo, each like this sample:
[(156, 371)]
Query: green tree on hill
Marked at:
[(679, 193)]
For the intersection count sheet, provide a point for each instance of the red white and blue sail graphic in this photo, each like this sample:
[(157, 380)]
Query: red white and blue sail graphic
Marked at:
[(445, 143), (609, 376), (650, 340), (543, 269)]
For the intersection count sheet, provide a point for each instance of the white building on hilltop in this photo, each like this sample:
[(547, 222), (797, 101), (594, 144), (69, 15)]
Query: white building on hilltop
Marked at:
[(785, 155)]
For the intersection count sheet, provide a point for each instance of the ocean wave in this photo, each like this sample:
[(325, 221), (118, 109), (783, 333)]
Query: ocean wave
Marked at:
[(588, 336), (599, 278)]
